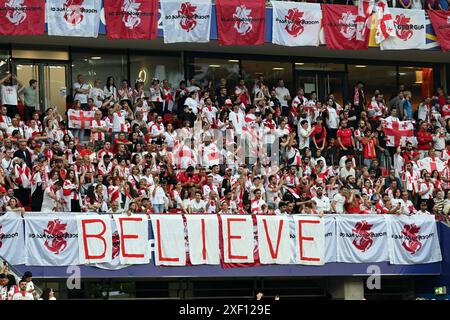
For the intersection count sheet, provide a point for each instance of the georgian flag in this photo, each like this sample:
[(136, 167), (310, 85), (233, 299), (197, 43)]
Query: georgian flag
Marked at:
[(398, 132), (385, 26), (431, 164), (79, 119), (73, 18), (187, 21), (296, 24), (410, 30)]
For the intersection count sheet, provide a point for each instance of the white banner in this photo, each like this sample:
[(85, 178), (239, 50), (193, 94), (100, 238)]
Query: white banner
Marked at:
[(186, 21), (413, 240), (12, 240), (296, 24), (310, 244), (51, 241), (330, 239), (361, 238), (273, 239), (133, 237), (169, 240), (94, 239), (410, 29), (238, 238), (70, 18), (203, 235)]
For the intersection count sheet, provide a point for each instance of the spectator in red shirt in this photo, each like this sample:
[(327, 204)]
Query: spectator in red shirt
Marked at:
[(345, 139), (424, 139), (319, 135)]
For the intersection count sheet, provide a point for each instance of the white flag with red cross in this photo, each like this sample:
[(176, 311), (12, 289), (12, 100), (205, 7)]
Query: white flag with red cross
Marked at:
[(398, 132), (79, 119), (431, 164)]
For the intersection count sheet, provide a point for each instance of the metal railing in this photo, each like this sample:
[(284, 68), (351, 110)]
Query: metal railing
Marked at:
[(12, 270)]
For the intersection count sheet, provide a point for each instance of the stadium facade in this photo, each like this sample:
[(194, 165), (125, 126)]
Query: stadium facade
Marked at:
[(56, 61)]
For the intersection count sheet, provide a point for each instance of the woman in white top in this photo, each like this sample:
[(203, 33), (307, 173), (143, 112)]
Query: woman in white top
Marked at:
[(110, 89), (192, 103), (156, 96)]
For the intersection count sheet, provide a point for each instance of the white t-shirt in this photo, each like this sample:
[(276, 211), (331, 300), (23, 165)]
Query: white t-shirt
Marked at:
[(82, 97), (22, 296), (281, 92), (192, 104), (340, 202), (9, 94), (199, 206), (322, 204), (119, 121), (332, 119)]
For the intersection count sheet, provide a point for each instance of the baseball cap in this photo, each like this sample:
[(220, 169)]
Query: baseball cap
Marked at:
[(228, 102)]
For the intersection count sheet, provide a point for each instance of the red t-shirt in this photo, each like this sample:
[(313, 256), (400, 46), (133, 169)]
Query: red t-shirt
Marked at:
[(424, 140), (183, 178), (369, 148), (319, 133), (346, 136)]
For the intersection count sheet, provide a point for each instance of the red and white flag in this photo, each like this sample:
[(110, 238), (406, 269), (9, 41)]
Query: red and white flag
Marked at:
[(398, 132), (431, 164), (410, 30), (365, 9), (440, 20), (296, 24), (22, 17), (385, 26), (73, 18), (79, 119), (339, 23), (187, 21), (131, 19), (241, 22)]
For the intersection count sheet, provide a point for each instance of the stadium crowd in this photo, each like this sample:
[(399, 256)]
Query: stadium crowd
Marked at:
[(227, 148)]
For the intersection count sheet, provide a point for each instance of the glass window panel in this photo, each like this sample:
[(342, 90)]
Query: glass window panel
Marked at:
[(99, 66), (205, 70), (319, 66), (4, 62), (412, 79), (271, 70), (146, 68), (381, 78)]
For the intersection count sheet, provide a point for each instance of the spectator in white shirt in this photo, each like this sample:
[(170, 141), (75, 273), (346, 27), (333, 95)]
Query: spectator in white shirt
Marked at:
[(283, 96), (339, 199), (23, 294), (81, 91), (9, 92), (323, 204), (197, 205)]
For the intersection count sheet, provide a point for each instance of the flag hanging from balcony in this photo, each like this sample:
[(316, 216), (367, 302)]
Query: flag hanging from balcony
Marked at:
[(410, 30), (22, 17), (440, 20), (73, 18), (398, 132), (131, 19), (241, 22), (187, 21), (296, 24), (339, 23)]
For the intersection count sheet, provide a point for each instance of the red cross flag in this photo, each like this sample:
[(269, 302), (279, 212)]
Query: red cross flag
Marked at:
[(79, 119), (431, 164), (398, 132)]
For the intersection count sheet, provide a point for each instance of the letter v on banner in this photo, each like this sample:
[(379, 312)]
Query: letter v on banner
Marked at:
[(273, 239), (310, 236), (169, 240), (95, 239), (203, 248)]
